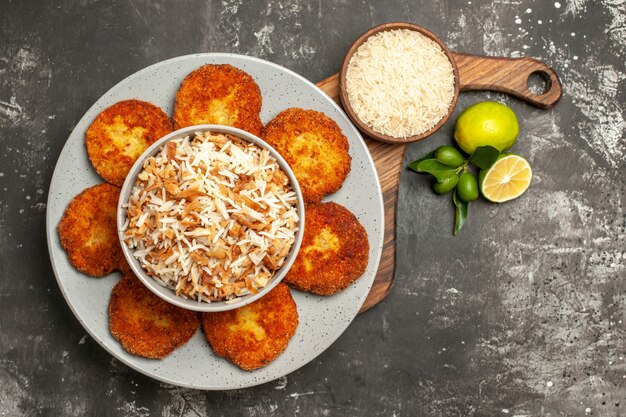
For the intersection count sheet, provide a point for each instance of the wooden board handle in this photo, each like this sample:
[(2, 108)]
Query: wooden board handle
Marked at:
[(507, 75)]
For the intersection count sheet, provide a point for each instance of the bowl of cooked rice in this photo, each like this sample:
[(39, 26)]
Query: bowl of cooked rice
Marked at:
[(210, 218)]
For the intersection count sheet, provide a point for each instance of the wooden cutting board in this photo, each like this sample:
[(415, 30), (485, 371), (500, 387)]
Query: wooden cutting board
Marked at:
[(388, 160)]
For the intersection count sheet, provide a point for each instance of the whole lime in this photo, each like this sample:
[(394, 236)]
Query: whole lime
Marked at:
[(446, 185), (486, 124), (449, 155), (467, 187)]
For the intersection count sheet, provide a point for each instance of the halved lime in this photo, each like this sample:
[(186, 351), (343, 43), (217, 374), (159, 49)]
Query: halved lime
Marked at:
[(506, 179)]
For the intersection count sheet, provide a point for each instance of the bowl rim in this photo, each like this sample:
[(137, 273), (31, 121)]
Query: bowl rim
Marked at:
[(343, 94), (168, 294)]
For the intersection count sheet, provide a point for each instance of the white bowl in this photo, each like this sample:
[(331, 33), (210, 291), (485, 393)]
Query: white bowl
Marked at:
[(168, 294)]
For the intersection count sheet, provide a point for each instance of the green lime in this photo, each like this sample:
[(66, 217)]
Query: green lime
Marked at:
[(449, 155), (486, 124), (446, 185), (467, 187)]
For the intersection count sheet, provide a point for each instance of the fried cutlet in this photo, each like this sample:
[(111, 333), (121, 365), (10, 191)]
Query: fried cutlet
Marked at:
[(120, 133), (315, 149), (144, 324), (219, 94), (124, 267), (334, 251), (88, 231), (254, 335)]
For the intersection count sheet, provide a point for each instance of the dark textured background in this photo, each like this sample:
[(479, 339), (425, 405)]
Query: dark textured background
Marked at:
[(523, 314)]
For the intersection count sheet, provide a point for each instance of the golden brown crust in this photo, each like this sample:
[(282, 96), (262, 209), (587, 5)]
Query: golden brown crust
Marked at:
[(315, 149), (334, 251), (120, 134), (219, 94), (88, 231), (254, 335), (124, 267), (144, 324)]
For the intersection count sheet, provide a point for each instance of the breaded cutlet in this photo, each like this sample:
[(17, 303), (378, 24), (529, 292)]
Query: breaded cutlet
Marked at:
[(334, 251), (88, 231), (252, 336), (315, 149), (219, 94), (120, 134), (144, 324)]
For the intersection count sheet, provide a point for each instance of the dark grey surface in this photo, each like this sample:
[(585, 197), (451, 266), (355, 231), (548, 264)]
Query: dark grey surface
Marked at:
[(523, 314)]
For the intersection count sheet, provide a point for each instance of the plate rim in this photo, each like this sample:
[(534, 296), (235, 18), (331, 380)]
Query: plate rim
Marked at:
[(51, 228)]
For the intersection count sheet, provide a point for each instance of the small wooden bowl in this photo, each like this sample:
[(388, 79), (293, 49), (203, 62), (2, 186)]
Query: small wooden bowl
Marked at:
[(344, 95)]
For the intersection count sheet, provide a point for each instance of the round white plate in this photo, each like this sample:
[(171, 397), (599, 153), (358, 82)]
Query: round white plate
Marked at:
[(322, 319)]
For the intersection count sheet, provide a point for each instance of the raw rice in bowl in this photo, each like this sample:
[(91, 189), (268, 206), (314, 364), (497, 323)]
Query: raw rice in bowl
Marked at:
[(210, 218)]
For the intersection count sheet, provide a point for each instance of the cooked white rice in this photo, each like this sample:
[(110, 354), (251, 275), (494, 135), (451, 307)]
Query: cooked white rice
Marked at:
[(212, 217)]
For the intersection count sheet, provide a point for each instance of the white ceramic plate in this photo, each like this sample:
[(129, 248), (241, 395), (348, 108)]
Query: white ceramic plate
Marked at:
[(322, 319)]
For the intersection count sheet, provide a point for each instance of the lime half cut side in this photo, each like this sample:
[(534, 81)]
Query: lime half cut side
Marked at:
[(506, 179)]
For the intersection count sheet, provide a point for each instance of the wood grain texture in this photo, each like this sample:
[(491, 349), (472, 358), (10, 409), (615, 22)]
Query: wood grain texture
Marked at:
[(388, 160), (508, 75)]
